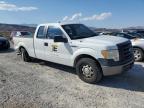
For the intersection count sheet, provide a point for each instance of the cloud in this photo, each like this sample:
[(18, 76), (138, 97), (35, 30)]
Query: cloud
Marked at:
[(4, 6), (99, 17), (73, 17), (65, 18), (2, 1)]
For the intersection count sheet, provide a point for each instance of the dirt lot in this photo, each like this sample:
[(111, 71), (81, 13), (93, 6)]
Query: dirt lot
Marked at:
[(46, 85)]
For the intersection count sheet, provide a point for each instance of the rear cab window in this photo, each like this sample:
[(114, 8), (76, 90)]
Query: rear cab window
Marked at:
[(41, 33)]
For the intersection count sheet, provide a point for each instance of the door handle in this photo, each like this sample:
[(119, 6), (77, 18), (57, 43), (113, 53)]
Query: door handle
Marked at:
[(45, 44)]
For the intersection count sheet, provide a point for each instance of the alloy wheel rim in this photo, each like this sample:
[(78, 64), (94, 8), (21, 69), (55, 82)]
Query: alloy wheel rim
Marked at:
[(87, 71), (137, 54)]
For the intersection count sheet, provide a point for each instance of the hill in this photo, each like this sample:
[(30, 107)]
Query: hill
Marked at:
[(6, 29), (13, 27)]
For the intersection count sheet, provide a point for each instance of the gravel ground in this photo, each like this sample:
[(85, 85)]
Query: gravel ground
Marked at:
[(46, 85)]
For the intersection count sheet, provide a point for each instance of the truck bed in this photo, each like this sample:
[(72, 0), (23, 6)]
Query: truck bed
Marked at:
[(26, 42)]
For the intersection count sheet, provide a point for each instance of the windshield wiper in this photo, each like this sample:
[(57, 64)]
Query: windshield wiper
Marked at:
[(84, 37), (80, 37)]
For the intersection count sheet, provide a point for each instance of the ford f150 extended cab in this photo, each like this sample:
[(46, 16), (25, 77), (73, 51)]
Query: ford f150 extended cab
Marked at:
[(77, 46)]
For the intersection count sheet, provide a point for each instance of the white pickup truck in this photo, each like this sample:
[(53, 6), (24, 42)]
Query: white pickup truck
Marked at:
[(77, 46)]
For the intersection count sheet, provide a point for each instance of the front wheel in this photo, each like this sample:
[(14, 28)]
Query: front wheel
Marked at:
[(88, 70), (24, 55), (138, 54)]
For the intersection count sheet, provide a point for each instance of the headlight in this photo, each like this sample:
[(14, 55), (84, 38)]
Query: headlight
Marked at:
[(111, 54)]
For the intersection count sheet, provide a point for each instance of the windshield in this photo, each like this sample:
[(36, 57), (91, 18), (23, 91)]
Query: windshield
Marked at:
[(78, 31), (135, 35), (25, 33), (124, 35), (141, 33)]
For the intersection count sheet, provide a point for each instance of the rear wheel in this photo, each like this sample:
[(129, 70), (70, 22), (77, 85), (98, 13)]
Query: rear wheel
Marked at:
[(88, 70), (138, 54), (24, 55)]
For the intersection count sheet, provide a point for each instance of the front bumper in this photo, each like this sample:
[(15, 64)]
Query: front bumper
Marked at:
[(114, 70), (126, 60)]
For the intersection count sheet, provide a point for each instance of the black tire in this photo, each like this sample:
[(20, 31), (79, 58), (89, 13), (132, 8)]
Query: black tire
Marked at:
[(96, 75), (138, 54), (24, 55)]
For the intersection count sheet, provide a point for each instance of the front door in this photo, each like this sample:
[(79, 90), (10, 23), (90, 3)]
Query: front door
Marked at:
[(58, 52)]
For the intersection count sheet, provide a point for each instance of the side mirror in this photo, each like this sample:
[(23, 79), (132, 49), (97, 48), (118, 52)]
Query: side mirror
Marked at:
[(60, 39)]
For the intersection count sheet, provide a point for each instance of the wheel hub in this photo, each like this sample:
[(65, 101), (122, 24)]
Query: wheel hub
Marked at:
[(137, 54), (87, 71)]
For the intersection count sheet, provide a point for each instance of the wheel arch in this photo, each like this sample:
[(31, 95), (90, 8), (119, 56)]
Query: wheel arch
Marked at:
[(139, 48), (86, 56), (23, 48)]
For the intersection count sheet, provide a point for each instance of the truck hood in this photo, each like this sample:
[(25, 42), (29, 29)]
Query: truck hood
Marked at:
[(105, 41)]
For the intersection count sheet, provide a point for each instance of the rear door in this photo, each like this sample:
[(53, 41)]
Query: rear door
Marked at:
[(39, 42)]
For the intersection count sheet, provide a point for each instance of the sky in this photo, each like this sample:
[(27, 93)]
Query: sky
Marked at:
[(94, 13)]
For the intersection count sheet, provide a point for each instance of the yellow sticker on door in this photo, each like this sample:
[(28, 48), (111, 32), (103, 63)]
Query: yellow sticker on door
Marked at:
[(54, 47)]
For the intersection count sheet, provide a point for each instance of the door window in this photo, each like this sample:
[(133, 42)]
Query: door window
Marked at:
[(53, 32)]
